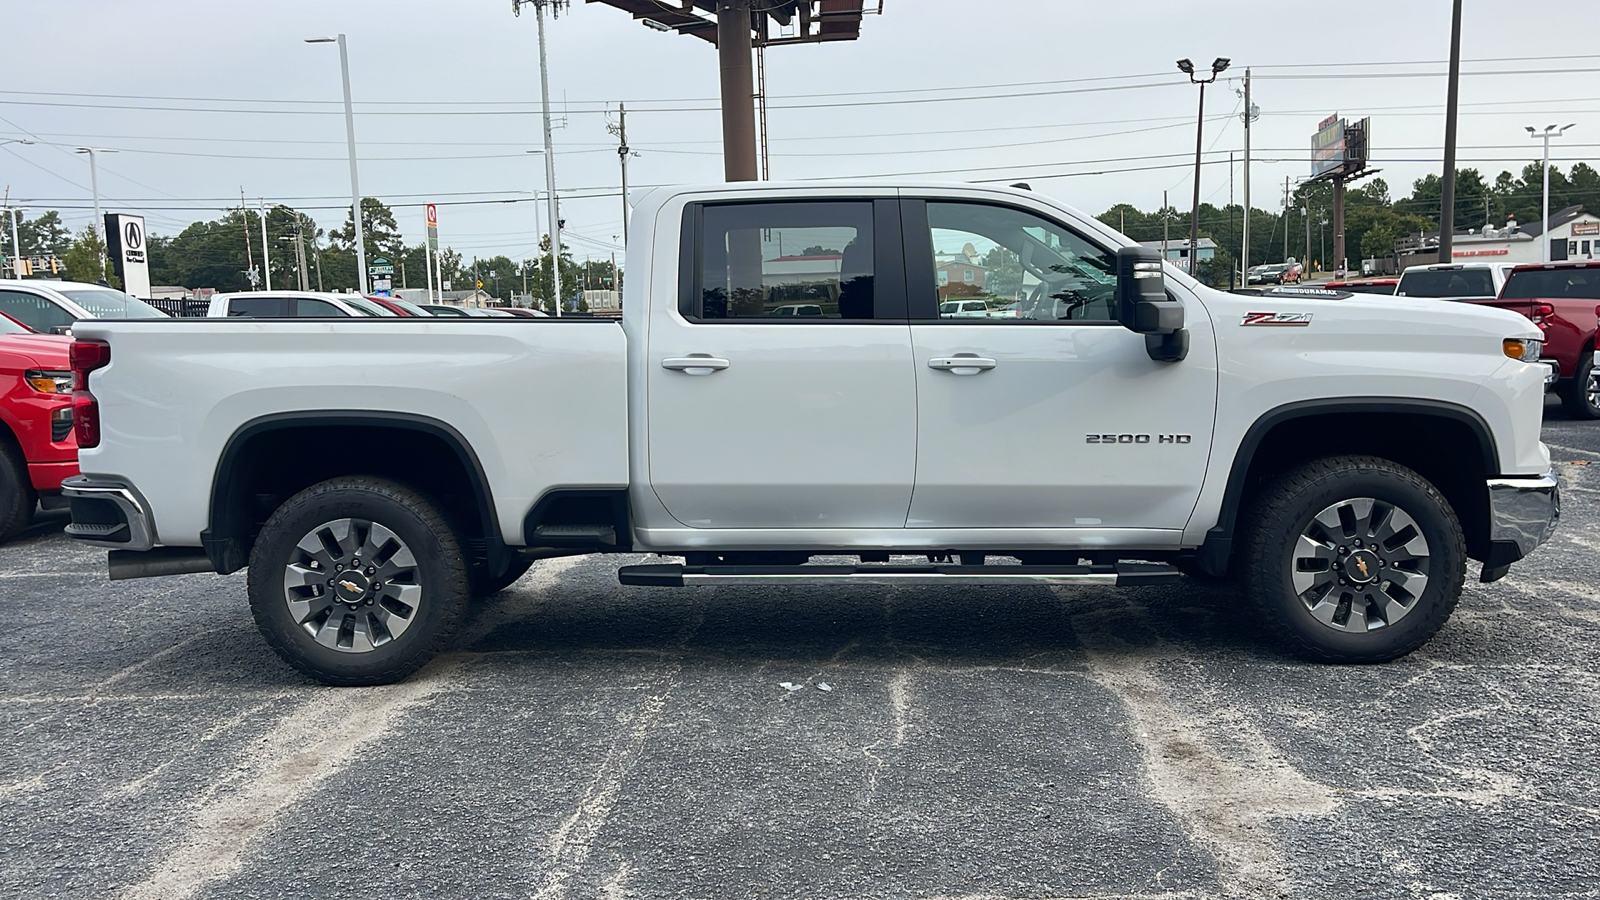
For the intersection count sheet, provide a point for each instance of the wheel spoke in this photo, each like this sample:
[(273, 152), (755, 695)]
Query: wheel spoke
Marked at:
[(1313, 563), (1411, 583), (1390, 607)]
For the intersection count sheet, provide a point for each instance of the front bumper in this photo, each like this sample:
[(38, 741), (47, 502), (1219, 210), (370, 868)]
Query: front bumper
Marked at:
[(1523, 512), (109, 514)]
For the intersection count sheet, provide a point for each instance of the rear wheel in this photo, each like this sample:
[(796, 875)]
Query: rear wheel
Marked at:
[(357, 581), (1581, 395), (17, 497), (1353, 559)]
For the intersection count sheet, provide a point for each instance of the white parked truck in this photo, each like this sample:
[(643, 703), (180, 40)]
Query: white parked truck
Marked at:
[(1342, 456)]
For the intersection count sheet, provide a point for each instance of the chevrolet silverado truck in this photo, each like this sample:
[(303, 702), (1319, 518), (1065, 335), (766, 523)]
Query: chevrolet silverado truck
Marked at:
[(1343, 457), (36, 444)]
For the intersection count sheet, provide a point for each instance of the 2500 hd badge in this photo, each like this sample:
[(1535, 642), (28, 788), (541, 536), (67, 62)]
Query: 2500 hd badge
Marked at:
[(1137, 438)]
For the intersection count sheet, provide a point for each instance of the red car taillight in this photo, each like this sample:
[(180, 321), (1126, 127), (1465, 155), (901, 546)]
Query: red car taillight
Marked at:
[(87, 356), (1541, 312)]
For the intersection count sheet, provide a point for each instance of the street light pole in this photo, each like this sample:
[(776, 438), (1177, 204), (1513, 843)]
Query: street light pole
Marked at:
[(549, 147), (1549, 132), (1217, 67), (94, 186), (350, 140), (16, 243)]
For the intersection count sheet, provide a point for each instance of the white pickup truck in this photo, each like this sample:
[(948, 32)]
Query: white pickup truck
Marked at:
[(1343, 456)]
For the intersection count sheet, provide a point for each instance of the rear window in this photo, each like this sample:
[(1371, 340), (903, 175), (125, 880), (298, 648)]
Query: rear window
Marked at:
[(1545, 284), (105, 303), (1447, 283)]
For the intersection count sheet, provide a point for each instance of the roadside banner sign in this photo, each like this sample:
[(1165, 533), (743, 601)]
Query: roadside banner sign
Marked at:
[(380, 266), (433, 216), (433, 228)]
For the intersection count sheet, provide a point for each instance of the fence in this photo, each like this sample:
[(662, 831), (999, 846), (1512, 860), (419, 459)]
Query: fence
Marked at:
[(183, 309)]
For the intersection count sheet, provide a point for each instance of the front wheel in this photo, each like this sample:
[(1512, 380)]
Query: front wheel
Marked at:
[(17, 498), (1353, 559), (357, 581), (1581, 395)]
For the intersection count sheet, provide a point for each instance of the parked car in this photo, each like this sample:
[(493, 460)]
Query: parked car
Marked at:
[(964, 309), (398, 306), (796, 309), (472, 312), (37, 449), (1563, 299), (293, 305), (527, 313), (1454, 281), (1365, 286), (1274, 273), (53, 306), (1344, 456)]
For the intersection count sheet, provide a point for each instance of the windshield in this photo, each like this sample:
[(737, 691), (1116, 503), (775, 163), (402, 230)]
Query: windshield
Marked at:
[(1547, 284), (105, 303), (1447, 283), (367, 307), (7, 326)]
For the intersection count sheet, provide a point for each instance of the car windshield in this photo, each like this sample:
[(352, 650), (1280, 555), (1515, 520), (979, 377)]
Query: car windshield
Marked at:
[(367, 307), (105, 303), (7, 326), (1447, 283), (1547, 284)]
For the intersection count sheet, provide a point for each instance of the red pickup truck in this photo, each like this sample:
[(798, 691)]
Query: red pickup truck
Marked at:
[(1563, 299), (37, 448)]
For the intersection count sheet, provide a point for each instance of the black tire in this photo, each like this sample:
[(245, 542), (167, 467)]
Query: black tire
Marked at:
[(1287, 509), (484, 586), (1581, 396), (436, 567), (17, 497)]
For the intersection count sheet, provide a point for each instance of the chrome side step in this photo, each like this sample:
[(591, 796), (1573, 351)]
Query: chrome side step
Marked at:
[(1120, 575)]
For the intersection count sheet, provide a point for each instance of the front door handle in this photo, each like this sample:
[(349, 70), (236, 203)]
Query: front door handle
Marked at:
[(961, 364), (694, 364)]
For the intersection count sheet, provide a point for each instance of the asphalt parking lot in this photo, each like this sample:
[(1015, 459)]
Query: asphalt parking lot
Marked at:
[(589, 740)]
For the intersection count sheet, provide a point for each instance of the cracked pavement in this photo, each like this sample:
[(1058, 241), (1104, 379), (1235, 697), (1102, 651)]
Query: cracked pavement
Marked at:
[(590, 740)]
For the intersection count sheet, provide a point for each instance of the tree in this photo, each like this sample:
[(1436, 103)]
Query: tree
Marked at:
[(43, 235), (380, 231), (84, 259)]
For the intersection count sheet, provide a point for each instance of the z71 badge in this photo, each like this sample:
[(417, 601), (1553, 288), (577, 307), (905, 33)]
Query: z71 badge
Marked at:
[(1277, 318)]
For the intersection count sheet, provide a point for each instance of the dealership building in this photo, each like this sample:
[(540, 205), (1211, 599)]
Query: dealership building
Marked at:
[(1573, 233)]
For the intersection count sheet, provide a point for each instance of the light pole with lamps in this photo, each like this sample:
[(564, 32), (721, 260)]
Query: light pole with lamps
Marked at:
[(1549, 132), (1186, 67), (350, 139), (16, 242), (94, 186)]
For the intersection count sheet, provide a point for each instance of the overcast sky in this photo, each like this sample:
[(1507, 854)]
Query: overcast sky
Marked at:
[(447, 102)]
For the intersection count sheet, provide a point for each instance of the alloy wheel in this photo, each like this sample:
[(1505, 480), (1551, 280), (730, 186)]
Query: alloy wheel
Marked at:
[(1360, 564), (352, 585)]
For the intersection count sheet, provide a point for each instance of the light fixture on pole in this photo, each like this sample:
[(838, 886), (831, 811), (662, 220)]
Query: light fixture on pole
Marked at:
[(350, 139), (1549, 132), (1186, 67), (94, 187)]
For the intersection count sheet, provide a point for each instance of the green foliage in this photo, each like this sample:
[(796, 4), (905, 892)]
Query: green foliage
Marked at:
[(42, 235), (83, 260)]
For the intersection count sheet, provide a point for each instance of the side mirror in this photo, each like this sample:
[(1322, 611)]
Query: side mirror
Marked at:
[(1143, 306)]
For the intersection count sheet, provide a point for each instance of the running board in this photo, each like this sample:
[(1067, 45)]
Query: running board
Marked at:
[(1120, 575)]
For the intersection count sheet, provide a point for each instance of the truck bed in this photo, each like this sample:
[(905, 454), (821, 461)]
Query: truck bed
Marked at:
[(541, 402)]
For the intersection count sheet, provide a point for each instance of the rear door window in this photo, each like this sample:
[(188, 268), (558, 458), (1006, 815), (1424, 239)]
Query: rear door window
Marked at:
[(1548, 284), (312, 308), (257, 307)]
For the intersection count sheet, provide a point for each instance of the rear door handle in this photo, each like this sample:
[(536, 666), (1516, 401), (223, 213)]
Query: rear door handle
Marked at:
[(694, 364), (961, 364)]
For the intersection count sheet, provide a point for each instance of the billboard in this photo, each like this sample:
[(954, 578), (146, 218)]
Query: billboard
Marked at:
[(1327, 147), (125, 239)]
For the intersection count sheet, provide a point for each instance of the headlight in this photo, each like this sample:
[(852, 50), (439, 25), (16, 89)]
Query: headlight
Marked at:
[(49, 381), (1525, 349)]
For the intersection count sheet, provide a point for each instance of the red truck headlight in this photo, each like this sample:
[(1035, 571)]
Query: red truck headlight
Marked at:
[(49, 381)]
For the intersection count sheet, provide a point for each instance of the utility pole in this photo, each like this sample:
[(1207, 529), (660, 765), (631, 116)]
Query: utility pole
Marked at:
[(1305, 263), (266, 259), (1230, 215), (300, 253), (1447, 199), (1285, 218), (1165, 222), (549, 149), (249, 257), (622, 154), (1244, 255), (316, 253)]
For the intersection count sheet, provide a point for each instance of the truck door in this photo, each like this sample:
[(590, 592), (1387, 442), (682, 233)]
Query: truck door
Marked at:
[(781, 389), (1048, 414)]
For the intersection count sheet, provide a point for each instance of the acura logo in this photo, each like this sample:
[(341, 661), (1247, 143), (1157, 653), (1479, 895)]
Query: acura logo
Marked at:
[(132, 238)]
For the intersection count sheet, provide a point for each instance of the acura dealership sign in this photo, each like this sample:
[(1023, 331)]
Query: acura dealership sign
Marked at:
[(125, 240)]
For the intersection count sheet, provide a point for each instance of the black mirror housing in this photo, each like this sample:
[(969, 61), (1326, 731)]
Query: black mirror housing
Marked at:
[(1143, 306)]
